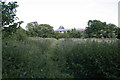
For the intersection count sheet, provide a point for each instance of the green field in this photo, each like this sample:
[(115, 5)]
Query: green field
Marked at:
[(63, 58)]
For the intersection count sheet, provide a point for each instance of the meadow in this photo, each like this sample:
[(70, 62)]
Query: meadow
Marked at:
[(63, 58)]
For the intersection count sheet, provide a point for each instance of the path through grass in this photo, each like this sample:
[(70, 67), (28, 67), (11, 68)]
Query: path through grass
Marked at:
[(64, 58)]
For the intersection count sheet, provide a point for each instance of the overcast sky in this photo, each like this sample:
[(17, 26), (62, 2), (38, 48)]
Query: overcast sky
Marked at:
[(68, 13)]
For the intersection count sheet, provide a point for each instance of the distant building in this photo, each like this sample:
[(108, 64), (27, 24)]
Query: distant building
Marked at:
[(65, 30)]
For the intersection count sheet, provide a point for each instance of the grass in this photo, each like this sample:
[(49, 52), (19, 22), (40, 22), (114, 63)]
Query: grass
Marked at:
[(64, 58)]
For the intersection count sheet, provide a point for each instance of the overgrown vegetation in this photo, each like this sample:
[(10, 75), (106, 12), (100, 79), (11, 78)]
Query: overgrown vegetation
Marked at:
[(100, 29), (36, 53), (90, 59), (64, 58)]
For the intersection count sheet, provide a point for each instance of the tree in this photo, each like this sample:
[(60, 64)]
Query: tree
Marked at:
[(45, 31), (8, 13), (118, 32), (32, 29), (20, 34), (100, 29), (8, 18), (42, 30), (61, 27), (75, 34), (110, 30)]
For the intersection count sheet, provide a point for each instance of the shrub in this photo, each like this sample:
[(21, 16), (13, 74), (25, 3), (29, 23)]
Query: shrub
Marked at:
[(91, 59), (25, 59)]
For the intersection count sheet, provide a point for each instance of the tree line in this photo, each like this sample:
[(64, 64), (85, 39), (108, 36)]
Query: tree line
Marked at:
[(95, 28)]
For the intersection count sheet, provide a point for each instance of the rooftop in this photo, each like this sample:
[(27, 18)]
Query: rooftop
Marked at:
[(78, 29)]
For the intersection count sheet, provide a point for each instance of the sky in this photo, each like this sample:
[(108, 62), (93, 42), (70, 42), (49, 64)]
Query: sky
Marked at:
[(67, 13)]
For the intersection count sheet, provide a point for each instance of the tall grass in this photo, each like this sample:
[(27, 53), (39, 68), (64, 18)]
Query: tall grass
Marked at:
[(64, 58), (25, 59), (90, 59)]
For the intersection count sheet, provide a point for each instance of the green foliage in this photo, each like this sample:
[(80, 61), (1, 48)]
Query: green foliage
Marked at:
[(118, 32), (46, 31), (75, 34), (8, 12), (42, 30), (91, 60), (61, 35), (63, 58), (26, 59), (31, 29), (19, 35), (69, 34), (9, 31), (9, 27), (100, 29), (95, 29)]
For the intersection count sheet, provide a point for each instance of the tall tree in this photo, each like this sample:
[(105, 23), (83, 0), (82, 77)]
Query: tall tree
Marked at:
[(9, 17), (42, 30), (61, 27), (32, 29), (46, 30), (8, 12), (100, 29)]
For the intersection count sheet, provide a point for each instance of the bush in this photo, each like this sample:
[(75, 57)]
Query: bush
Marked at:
[(19, 35), (90, 59), (25, 59)]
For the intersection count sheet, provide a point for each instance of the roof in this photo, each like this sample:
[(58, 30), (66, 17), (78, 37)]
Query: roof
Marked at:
[(78, 29)]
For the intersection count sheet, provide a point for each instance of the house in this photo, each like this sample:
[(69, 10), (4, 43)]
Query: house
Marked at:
[(65, 30)]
